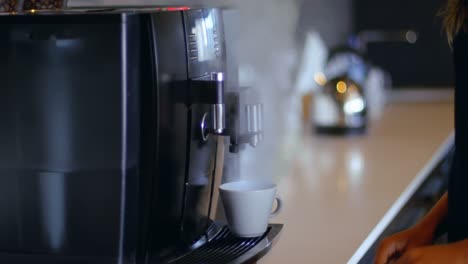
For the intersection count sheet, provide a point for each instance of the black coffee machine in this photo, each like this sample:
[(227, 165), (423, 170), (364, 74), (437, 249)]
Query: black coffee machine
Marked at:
[(108, 124)]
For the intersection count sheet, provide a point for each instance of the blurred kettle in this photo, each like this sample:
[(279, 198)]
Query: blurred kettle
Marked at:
[(340, 105), (340, 108)]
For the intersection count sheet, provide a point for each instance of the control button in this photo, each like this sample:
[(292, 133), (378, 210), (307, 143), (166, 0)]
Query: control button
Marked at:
[(193, 38), (218, 53), (193, 46), (193, 54)]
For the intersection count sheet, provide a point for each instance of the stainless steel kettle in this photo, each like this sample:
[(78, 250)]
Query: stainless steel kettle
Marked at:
[(340, 105)]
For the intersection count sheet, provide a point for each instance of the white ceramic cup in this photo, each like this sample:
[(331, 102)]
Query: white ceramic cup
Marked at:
[(248, 206)]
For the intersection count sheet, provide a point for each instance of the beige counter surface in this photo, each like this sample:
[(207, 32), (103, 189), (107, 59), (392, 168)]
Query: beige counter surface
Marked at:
[(342, 187)]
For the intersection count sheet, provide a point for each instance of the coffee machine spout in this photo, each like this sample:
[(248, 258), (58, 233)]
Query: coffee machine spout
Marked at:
[(218, 110), (254, 117), (211, 92), (252, 132)]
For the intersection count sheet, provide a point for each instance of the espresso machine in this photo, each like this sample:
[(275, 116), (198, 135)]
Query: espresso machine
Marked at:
[(109, 131)]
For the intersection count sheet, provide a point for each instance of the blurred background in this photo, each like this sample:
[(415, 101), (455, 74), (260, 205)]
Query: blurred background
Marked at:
[(389, 50), (358, 96)]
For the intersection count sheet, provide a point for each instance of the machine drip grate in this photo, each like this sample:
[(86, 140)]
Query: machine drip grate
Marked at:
[(223, 248)]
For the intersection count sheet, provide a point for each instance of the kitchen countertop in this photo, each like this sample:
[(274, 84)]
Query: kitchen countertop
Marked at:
[(342, 187)]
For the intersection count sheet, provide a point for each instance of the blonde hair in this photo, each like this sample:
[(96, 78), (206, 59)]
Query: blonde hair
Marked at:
[(454, 17)]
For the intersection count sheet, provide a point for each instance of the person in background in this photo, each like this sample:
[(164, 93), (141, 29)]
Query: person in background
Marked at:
[(415, 245)]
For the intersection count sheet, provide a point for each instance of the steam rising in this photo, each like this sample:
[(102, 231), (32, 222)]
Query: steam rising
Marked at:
[(268, 58)]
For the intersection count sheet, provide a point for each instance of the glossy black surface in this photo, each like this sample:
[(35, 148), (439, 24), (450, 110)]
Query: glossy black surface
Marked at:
[(101, 162), (226, 248), (169, 176), (64, 157)]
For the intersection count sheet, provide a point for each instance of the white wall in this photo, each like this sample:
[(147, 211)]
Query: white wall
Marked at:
[(333, 19)]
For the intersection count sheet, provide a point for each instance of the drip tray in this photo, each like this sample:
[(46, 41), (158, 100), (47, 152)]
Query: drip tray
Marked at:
[(225, 248)]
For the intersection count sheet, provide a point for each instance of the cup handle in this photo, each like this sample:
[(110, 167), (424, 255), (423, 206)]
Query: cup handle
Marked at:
[(279, 207)]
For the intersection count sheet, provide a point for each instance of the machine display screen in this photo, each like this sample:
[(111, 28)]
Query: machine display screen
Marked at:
[(204, 40)]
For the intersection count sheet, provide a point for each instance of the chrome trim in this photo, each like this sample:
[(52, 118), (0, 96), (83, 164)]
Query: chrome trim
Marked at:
[(218, 118), (123, 165), (204, 129), (252, 115), (260, 121), (217, 76)]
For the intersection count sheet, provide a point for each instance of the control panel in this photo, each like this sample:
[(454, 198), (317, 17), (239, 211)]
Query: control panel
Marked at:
[(205, 42)]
